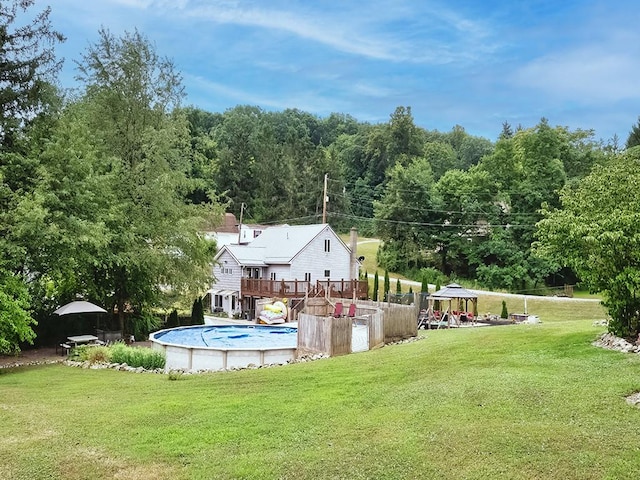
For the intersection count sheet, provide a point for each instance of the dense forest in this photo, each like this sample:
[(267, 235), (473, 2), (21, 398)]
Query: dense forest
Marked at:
[(445, 201), (105, 192)]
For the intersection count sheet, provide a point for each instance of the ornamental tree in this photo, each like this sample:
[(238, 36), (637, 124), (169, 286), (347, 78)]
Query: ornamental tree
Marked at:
[(596, 232)]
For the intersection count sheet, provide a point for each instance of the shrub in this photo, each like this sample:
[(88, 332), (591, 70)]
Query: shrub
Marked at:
[(137, 356), (141, 324), (504, 313), (91, 354), (430, 275), (78, 354), (98, 354), (173, 320), (197, 312)]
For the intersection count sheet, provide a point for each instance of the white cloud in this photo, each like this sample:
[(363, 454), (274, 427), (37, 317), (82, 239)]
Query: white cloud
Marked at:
[(586, 74), (379, 31), (216, 92)]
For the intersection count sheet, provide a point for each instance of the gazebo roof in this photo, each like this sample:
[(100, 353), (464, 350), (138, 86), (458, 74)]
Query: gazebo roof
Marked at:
[(453, 290)]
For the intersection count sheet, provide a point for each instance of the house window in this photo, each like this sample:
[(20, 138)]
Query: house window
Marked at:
[(273, 275), (307, 277), (253, 273), (327, 273), (217, 301), (327, 245)]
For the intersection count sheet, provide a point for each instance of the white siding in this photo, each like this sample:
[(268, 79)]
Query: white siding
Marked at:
[(283, 272), (227, 281), (313, 259)]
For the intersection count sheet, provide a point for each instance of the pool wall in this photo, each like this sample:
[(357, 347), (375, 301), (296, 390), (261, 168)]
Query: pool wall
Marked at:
[(189, 358)]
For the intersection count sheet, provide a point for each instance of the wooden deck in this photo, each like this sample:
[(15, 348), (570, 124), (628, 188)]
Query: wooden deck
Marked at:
[(299, 288)]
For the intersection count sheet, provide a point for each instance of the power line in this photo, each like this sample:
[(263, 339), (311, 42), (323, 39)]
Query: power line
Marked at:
[(450, 212), (428, 224)]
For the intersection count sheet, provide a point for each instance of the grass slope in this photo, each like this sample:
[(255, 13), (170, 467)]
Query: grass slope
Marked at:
[(517, 402)]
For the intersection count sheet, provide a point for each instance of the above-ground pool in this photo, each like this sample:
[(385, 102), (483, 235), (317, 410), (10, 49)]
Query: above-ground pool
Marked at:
[(209, 347)]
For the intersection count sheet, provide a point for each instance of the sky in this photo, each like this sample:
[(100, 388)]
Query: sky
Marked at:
[(471, 63)]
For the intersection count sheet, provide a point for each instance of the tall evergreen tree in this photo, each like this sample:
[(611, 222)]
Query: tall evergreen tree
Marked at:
[(197, 312), (386, 285), (376, 286), (425, 283), (634, 135)]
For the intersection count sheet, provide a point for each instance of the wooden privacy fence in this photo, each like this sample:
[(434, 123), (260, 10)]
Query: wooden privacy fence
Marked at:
[(400, 321), (328, 335), (319, 332)]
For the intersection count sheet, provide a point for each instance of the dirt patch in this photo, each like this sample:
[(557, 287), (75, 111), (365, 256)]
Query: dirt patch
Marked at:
[(32, 356)]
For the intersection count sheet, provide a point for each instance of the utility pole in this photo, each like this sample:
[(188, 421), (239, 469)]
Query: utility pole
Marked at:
[(240, 226), (325, 199)]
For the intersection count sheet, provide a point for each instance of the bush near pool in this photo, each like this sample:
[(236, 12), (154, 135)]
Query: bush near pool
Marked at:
[(120, 353)]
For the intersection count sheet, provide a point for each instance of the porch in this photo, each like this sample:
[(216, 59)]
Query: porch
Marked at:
[(358, 289)]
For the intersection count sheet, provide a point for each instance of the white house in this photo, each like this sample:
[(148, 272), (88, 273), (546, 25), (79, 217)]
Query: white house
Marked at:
[(285, 261)]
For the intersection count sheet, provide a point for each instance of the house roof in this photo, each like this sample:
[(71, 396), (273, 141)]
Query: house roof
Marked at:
[(247, 255), (276, 245), (453, 290)]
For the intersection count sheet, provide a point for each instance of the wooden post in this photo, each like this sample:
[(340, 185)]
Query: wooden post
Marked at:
[(324, 200)]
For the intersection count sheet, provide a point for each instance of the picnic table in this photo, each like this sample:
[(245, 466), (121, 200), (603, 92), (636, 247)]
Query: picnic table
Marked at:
[(82, 339)]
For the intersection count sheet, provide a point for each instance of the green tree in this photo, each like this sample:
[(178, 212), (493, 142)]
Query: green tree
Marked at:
[(15, 321), (504, 313), (28, 64), (131, 103), (197, 312), (404, 137), (398, 287), (28, 67), (596, 232), (386, 285), (441, 157), (468, 203), (425, 283), (407, 217), (376, 286), (173, 320), (633, 139)]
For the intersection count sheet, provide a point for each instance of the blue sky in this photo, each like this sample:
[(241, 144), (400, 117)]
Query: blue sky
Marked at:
[(466, 62)]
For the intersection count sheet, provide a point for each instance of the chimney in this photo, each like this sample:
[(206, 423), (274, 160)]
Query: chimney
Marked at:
[(354, 247)]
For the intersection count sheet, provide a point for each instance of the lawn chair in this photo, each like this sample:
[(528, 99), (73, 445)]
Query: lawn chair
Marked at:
[(338, 310), (423, 319), (352, 310)]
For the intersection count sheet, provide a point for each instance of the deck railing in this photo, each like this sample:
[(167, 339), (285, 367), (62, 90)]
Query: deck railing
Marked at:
[(300, 288)]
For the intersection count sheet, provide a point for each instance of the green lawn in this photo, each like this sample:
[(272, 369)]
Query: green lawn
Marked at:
[(516, 402)]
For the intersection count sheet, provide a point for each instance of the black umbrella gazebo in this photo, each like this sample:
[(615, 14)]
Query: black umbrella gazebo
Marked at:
[(450, 316)]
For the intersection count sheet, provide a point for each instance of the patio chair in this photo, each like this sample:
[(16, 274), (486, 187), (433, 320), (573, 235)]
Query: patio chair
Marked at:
[(352, 310), (338, 310)]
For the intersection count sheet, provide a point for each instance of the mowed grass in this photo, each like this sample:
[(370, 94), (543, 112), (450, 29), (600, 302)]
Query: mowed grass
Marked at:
[(516, 402)]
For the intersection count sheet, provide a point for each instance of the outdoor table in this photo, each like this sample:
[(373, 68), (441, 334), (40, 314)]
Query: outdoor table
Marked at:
[(80, 339)]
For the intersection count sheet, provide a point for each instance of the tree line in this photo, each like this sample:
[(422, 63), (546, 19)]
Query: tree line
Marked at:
[(105, 192)]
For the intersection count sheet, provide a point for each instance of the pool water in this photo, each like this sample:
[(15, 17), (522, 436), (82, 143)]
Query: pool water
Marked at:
[(234, 336)]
